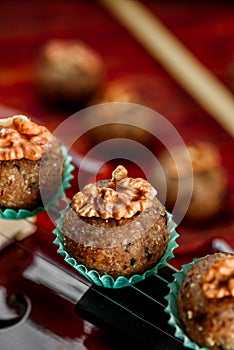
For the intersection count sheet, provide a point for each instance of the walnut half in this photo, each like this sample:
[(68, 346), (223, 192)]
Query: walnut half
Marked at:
[(218, 281), (122, 197), (22, 138)]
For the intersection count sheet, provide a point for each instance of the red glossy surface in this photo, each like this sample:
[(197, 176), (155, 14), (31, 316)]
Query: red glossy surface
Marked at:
[(208, 31)]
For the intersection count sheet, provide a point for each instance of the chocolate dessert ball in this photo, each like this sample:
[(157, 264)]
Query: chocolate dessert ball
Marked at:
[(206, 302), (31, 163), (68, 71), (209, 180), (117, 227)]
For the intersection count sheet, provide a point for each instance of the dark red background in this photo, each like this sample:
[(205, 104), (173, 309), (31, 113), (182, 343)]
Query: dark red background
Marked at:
[(206, 28)]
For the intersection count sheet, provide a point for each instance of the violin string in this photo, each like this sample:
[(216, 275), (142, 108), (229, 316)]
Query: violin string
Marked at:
[(89, 284), (132, 286), (136, 315)]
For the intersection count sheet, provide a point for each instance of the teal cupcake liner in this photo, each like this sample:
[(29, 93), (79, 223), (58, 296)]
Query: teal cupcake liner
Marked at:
[(172, 309), (12, 214), (108, 281)]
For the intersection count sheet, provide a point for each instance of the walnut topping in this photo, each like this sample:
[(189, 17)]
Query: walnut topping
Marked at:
[(218, 281), (203, 157), (122, 197), (22, 138), (71, 53), (118, 174)]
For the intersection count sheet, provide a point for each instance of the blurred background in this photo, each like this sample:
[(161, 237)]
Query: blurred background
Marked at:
[(115, 67), (58, 57)]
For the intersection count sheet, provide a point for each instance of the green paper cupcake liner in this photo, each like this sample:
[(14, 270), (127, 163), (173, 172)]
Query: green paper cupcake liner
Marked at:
[(108, 281), (172, 309), (12, 214)]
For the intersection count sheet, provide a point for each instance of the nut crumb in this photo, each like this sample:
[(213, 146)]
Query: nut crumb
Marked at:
[(190, 314)]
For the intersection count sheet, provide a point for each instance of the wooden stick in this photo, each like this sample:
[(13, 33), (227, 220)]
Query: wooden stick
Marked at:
[(12, 229), (180, 63)]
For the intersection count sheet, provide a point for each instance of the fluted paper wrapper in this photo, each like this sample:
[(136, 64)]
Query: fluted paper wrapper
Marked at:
[(172, 309), (107, 280), (12, 214)]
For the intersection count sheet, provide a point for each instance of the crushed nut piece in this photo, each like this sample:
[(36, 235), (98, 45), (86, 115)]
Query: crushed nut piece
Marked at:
[(122, 197), (119, 173), (190, 314), (22, 138), (218, 281), (74, 54)]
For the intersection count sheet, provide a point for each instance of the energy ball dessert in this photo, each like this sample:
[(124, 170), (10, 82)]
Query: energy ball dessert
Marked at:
[(117, 227), (68, 71), (118, 91), (121, 116), (118, 128), (206, 302), (209, 180), (31, 164)]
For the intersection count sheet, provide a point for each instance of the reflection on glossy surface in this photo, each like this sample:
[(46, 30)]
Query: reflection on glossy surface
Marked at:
[(59, 281), (29, 336), (18, 303), (6, 312), (52, 322)]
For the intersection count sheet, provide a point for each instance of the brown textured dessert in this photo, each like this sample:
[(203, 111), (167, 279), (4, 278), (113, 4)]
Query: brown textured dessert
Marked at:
[(118, 90), (209, 180), (31, 164), (206, 302), (68, 71), (117, 227), (121, 115)]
